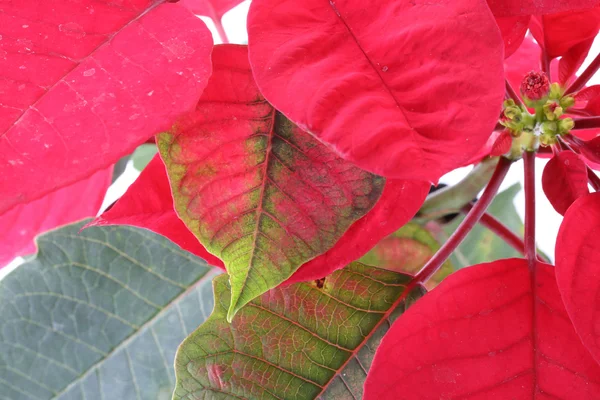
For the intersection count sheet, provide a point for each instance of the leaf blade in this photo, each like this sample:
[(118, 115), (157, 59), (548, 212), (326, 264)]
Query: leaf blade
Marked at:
[(258, 192), (96, 306), (309, 366), (79, 74), (517, 331)]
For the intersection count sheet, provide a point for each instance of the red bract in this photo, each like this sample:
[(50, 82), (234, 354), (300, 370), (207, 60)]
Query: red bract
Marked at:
[(74, 202), (148, 204), (486, 332), (513, 31), (511, 8), (568, 35), (84, 82), (392, 86), (577, 273), (564, 180), (257, 191)]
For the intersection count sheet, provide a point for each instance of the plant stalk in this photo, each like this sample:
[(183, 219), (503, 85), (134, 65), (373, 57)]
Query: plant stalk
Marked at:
[(585, 76), (438, 259), (586, 123), (452, 198), (530, 249), (512, 94)]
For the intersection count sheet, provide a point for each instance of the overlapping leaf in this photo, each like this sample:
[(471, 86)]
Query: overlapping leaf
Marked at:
[(84, 82), (577, 261), (568, 35), (565, 179), (304, 341), (491, 331), (99, 315), (21, 224), (389, 86), (258, 192), (148, 204)]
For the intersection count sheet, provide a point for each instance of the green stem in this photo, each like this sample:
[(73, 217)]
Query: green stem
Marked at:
[(452, 198)]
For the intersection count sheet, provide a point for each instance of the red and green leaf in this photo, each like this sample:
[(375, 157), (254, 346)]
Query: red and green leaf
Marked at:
[(389, 86), (82, 83), (577, 273), (148, 204), (565, 179), (23, 223), (304, 341), (257, 191), (486, 332)]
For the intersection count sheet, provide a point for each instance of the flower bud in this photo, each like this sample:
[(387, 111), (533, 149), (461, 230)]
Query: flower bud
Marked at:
[(535, 86)]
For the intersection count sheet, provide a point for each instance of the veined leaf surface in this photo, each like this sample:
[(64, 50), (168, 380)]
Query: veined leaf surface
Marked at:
[(99, 315), (257, 191), (304, 341)]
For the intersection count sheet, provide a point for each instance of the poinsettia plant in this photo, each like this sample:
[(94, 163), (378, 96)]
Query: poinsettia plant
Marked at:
[(299, 174)]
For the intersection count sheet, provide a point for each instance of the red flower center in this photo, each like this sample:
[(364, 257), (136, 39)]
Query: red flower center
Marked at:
[(535, 85)]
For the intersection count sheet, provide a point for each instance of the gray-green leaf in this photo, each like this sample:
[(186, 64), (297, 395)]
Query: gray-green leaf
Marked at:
[(99, 315)]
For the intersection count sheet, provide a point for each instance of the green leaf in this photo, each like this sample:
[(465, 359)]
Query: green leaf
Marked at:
[(99, 315), (407, 250), (142, 155), (304, 341), (482, 245)]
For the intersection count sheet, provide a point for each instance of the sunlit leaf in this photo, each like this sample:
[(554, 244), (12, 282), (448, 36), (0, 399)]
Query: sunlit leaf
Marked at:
[(82, 83), (391, 86)]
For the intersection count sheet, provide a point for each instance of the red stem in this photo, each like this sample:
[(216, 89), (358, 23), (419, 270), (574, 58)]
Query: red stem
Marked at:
[(221, 30), (499, 229), (530, 250), (546, 64), (512, 94), (585, 76), (467, 224), (586, 123), (593, 179)]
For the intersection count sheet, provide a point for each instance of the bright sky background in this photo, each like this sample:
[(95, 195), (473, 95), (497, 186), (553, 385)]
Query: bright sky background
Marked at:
[(547, 220)]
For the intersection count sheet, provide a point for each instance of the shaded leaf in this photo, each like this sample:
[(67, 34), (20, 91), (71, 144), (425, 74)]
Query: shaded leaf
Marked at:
[(387, 86), (482, 245), (148, 204), (99, 315), (84, 82), (304, 341), (577, 261), (491, 331), (143, 155), (564, 180), (24, 222), (407, 250), (258, 192)]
